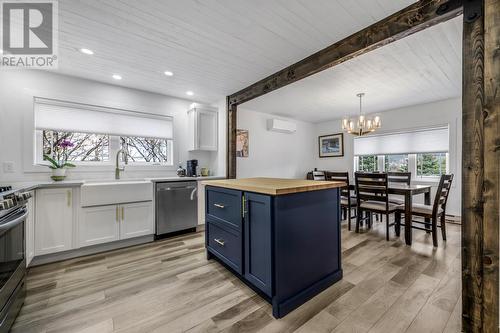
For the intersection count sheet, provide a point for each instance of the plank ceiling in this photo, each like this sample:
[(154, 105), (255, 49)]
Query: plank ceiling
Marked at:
[(420, 68), (214, 47)]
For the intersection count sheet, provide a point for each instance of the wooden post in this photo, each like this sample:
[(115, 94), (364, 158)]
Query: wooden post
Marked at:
[(231, 139), (480, 166)]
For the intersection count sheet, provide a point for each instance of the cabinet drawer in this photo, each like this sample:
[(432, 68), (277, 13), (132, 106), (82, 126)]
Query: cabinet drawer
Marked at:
[(224, 205), (226, 244)]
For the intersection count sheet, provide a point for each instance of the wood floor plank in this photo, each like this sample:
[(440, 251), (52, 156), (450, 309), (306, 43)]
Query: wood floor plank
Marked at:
[(368, 313), (401, 314), (169, 286), (435, 314)]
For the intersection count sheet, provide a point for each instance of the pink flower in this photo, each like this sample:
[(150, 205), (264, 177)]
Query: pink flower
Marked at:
[(66, 144)]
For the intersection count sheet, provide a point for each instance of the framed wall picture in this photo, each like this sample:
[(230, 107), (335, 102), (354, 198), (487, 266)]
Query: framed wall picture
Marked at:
[(331, 145), (241, 143)]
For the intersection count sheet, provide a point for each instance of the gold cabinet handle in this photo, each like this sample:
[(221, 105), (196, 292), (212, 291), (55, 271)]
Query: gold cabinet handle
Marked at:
[(219, 206), (219, 241), (123, 213), (68, 196), (117, 214), (243, 206)]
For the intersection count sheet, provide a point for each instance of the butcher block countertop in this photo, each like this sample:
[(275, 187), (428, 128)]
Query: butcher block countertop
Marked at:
[(274, 186)]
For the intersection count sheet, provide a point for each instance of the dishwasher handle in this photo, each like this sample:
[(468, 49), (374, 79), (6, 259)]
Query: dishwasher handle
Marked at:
[(173, 188), (193, 193)]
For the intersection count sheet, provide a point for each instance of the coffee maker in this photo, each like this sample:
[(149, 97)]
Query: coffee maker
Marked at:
[(191, 167)]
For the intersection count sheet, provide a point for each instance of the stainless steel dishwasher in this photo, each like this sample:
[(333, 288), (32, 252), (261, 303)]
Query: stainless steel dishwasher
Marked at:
[(176, 207)]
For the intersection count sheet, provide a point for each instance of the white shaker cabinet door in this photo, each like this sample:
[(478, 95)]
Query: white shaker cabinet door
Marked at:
[(136, 220), (54, 220), (99, 225)]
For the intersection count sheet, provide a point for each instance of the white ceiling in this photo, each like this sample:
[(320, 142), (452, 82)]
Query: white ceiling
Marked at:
[(420, 68), (214, 47)]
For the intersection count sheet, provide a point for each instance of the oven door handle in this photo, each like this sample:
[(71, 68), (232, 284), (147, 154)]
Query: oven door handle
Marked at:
[(13, 223)]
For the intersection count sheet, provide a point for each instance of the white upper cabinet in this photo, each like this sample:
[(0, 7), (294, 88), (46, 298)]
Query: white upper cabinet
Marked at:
[(202, 130)]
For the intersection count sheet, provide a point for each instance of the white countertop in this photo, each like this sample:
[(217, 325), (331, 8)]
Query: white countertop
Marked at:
[(28, 186)]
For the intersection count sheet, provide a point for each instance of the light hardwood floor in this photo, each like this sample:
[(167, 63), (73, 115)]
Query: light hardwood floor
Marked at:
[(169, 286)]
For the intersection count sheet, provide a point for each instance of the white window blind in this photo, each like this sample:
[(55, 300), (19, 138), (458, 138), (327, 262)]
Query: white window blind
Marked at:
[(418, 141), (83, 118)]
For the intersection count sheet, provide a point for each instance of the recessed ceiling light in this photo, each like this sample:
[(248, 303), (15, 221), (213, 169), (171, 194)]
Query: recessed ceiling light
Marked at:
[(87, 51), (189, 93), (117, 77), (168, 73)]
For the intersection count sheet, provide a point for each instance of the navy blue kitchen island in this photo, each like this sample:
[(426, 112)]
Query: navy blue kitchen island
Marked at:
[(280, 236)]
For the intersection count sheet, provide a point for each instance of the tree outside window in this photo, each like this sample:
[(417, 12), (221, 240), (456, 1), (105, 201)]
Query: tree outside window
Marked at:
[(368, 163), (431, 164), (90, 147), (146, 150), (86, 147), (396, 163)]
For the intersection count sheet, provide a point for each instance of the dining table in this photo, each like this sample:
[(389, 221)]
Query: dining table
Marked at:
[(408, 192)]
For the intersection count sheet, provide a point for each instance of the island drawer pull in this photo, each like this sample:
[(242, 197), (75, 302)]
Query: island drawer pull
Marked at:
[(219, 241), (219, 206)]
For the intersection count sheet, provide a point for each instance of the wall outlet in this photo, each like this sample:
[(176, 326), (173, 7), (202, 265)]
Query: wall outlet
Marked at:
[(8, 167)]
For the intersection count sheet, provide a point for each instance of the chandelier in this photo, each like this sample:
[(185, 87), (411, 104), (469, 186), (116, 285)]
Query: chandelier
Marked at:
[(362, 125)]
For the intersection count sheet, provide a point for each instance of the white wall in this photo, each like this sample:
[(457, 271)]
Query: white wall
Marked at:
[(17, 89), (273, 154), (446, 112)]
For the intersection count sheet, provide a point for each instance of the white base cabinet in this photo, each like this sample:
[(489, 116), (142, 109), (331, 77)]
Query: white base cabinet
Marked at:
[(137, 220), (99, 225), (54, 220), (104, 224)]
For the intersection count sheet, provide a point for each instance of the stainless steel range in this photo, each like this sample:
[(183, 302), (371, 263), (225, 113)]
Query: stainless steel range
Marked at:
[(13, 213)]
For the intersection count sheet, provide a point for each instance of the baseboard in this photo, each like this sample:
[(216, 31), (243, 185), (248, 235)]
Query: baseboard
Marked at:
[(88, 250)]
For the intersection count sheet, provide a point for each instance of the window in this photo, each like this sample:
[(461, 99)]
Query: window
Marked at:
[(423, 152), (367, 163), (431, 164), (396, 163), (94, 134), (85, 147), (147, 150)]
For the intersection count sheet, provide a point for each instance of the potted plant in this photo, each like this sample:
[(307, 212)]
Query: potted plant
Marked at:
[(59, 161)]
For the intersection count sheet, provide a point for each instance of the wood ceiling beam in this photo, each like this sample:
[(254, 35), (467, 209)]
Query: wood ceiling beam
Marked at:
[(407, 21)]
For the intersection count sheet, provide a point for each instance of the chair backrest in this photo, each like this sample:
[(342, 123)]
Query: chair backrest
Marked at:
[(341, 177), (442, 193), (399, 177), (372, 186), (319, 175)]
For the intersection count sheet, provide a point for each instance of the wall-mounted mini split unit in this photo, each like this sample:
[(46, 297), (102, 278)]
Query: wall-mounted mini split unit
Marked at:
[(282, 126)]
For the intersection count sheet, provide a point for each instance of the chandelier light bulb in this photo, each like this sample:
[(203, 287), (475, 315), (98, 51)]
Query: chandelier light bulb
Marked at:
[(362, 125)]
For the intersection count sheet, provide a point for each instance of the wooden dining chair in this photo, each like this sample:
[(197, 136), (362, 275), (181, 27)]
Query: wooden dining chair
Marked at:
[(318, 175), (398, 178), (373, 197), (434, 212), (348, 201)]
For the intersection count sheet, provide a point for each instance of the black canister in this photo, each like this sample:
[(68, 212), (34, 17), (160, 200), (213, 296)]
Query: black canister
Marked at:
[(191, 167)]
